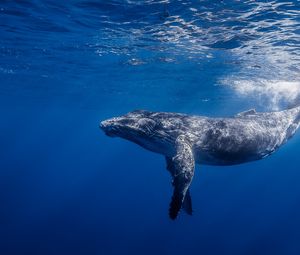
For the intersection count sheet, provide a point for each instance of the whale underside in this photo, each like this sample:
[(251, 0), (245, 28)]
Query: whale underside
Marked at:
[(188, 139)]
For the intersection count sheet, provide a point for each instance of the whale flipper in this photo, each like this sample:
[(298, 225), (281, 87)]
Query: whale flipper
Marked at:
[(181, 167), (187, 203)]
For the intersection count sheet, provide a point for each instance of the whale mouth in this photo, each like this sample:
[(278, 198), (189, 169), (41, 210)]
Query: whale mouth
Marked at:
[(109, 128)]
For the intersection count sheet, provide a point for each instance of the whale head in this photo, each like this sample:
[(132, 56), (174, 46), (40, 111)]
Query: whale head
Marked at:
[(140, 127), (131, 125)]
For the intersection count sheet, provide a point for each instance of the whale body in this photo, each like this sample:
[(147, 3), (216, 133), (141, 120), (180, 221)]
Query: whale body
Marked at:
[(188, 139)]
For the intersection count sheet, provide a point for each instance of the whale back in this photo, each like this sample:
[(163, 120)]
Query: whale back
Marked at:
[(245, 137)]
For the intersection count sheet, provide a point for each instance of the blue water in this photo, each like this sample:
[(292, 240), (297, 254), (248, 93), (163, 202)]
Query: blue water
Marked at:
[(66, 188)]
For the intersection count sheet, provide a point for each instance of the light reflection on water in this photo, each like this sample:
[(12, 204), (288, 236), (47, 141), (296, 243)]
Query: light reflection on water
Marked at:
[(262, 38), (256, 42)]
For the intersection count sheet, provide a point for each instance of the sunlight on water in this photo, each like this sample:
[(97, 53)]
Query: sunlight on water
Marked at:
[(262, 37), (254, 41)]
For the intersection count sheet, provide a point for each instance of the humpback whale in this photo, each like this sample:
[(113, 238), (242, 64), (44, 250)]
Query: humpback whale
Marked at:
[(188, 139)]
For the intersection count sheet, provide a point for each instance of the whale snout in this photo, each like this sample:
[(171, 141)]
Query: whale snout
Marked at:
[(109, 127), (104, 124), (124, 126)]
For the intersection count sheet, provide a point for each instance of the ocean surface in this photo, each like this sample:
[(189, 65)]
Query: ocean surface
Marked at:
[(66, 188)]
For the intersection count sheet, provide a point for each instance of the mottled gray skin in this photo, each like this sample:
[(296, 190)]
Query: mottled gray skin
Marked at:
[(186, 139)]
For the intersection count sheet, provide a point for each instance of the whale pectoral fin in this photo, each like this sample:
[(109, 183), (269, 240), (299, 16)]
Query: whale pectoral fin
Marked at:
[(187, 203), (245, 113), (181, 167)]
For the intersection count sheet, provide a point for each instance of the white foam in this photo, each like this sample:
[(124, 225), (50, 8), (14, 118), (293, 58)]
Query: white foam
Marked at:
[(274, 92)]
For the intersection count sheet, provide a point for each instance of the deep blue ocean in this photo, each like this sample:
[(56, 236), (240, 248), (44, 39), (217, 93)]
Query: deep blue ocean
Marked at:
[(66, 188)]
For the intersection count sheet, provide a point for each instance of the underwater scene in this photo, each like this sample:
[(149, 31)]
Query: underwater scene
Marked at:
[(67, 187)]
